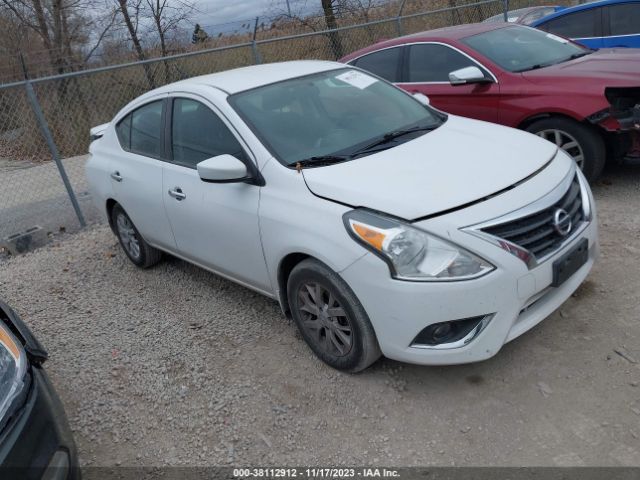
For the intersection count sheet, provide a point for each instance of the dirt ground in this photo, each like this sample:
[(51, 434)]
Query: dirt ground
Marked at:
[(176, 366)]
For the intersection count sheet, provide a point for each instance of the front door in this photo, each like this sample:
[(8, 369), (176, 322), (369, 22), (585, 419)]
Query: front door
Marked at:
[(426, 70), (214, 224)]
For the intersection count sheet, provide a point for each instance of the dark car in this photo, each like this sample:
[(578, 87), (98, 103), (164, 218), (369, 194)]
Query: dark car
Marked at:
[(586, 102), (600, 24), (35, 439)]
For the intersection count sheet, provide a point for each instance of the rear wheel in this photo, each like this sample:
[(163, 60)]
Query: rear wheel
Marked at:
[(330, 318), (139, 252), (581, 142)]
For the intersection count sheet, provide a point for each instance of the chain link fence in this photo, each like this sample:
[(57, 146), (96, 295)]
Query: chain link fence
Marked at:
[(45, 122)]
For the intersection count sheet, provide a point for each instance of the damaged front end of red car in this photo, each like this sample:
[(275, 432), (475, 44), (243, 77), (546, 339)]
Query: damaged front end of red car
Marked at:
[(621, 120)]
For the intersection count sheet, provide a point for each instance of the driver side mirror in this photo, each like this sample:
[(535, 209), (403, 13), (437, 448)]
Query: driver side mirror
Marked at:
[(467, 75), (422, 98), (222, 169)]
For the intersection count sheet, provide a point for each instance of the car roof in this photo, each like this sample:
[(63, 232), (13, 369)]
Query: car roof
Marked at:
[(520, 12), (246, 78), (579, 8), (441, 34), (454, 33)]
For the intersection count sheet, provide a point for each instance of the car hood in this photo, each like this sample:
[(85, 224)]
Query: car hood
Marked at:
[(461, 162), (613, 66)]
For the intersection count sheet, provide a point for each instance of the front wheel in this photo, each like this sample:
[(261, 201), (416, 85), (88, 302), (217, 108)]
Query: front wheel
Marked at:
[(582, 143), (330, 317)]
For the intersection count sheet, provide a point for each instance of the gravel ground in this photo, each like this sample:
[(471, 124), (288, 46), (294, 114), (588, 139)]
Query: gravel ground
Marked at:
[(176, 366)]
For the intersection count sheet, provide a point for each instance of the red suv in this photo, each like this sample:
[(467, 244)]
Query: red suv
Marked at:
[(586, 102)]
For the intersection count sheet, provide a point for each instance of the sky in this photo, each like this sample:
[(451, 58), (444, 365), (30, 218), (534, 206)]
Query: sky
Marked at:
[(234, 12)]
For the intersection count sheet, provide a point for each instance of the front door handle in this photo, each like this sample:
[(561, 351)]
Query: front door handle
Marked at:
[(116, 176), (177, 194)]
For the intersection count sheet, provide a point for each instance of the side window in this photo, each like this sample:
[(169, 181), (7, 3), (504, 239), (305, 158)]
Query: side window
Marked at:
[(433, 63), (140, 131), (383, 63), (574, 25), (197, 133), (624, 19), (123, 130)]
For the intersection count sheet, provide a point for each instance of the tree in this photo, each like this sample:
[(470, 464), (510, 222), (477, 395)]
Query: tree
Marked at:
[(167, 16), (63, 26), (199, 35), (131, 23)]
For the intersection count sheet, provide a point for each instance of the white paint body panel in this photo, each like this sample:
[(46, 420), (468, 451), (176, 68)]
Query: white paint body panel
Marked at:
[(244, 231), (458, 163)]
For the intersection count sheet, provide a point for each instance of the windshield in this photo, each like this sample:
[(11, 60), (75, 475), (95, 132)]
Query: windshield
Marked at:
[(334, 113), (518, 49)]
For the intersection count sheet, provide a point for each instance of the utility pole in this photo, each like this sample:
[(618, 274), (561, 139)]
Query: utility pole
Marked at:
[(288, 8)]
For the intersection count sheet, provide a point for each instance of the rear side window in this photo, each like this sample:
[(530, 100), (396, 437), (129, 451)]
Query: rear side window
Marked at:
[(123, 129), (433, 63), (384, 63), (625, 19), (574, 25), (140, 132), (197, 133)]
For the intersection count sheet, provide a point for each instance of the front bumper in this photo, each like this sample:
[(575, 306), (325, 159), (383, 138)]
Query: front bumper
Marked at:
[(515, 296), (37, 442)]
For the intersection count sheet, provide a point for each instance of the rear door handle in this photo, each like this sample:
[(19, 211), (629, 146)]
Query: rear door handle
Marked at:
[(116, 176), (177, 194)]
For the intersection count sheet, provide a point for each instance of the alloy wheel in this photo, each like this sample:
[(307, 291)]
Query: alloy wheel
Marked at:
[(128, 236), (324, 320), (566, 142)]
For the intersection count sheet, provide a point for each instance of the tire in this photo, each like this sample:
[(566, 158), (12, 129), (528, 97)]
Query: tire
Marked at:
[(139, 252), (589, 144), (326, 334)]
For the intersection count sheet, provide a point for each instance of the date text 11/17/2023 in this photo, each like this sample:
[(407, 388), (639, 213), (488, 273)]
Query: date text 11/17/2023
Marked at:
[(289, 472)]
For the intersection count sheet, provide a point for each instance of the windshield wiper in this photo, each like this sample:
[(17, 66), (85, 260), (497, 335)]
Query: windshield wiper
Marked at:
[(533, 67), (578, 55), (389, 137), (320, 161), (543, 65), (323, 160)]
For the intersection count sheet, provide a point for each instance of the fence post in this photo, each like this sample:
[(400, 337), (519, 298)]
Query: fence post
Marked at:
[(399, 18), (505, 6), (254, 46), (44, 127)]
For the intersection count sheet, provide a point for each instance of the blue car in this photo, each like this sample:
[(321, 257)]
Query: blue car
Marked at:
[(600, 24)]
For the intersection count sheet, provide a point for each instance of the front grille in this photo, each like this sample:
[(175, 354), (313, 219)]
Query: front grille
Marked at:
[(536, 233)]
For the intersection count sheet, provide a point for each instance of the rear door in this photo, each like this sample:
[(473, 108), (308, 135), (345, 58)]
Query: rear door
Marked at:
[(426, 69), (622, 22), (136, 171), (385, 63)]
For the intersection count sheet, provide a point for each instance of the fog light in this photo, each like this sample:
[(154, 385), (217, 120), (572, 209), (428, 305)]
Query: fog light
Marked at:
[(451, 334), (441, 331)]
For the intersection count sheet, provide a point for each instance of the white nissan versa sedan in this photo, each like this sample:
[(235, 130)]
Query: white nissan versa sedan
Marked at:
[(383, 226)]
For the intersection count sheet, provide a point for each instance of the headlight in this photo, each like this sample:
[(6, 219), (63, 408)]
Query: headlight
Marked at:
[(413, 254), (13, 365)]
